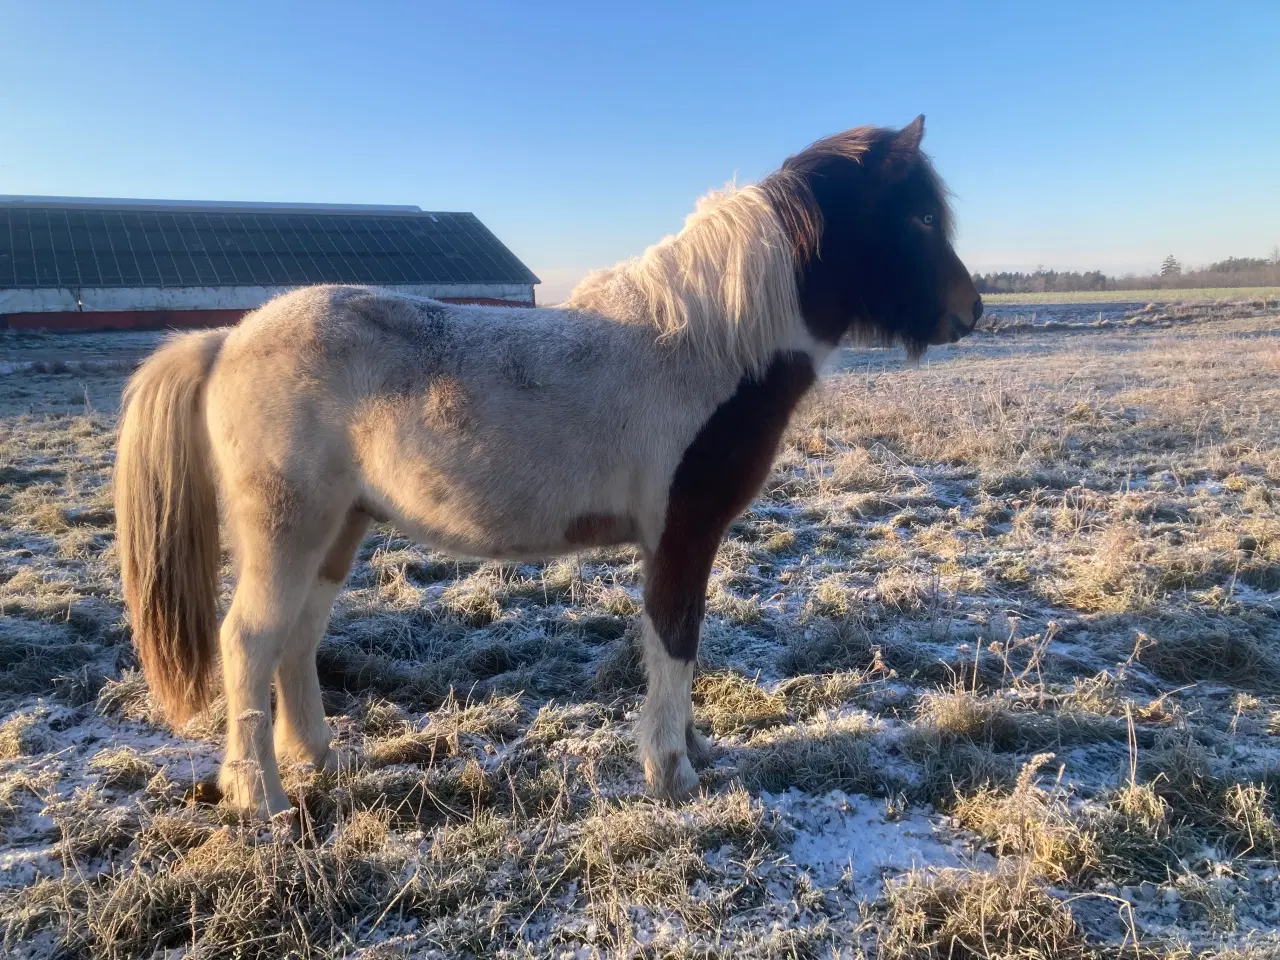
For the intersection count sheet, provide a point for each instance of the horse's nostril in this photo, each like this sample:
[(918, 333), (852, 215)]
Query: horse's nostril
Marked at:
[(977, 310)]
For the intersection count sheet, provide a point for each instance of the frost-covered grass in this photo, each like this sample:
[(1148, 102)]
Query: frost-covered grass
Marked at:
[(992, 668), (1137, 296)]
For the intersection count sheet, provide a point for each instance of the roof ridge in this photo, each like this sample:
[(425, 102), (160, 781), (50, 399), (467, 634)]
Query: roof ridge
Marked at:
[(20, 201)]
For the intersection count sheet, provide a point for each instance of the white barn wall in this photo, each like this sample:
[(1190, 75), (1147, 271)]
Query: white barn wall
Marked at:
[(92, 299)]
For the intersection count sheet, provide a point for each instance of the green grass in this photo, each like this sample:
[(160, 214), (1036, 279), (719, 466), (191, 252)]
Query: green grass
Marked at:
[(1144, 296)]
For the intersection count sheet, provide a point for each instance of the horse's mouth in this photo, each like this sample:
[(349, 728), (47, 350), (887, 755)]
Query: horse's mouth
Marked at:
[(950, 329)]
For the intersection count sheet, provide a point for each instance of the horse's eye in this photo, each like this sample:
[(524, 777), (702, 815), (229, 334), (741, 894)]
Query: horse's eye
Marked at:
[(927, 218)]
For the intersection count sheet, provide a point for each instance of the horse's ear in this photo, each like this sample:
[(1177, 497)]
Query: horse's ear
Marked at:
[(904, 148), (907, 140)]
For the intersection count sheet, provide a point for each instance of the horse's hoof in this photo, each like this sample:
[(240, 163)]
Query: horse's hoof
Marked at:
[(247, 795), (333, 760), (279, 810), (699, 746), (337, 759), (286, 825), (672, 779), (315, 751)]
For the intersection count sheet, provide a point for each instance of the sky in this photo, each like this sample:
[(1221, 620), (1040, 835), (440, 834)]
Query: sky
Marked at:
[(1073, 135)]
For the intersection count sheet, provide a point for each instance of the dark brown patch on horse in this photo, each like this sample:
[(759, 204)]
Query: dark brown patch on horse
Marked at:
[(871, 229), (720, 472), (342, 552), (600, 530), (447, 402)]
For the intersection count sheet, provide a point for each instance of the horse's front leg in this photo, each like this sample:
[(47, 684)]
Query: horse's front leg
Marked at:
[(675, 598)]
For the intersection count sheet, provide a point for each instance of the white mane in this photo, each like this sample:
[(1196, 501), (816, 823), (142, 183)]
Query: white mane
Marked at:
[(726, 283)]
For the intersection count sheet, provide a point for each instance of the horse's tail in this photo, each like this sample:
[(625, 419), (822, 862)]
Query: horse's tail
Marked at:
[(167, 521)]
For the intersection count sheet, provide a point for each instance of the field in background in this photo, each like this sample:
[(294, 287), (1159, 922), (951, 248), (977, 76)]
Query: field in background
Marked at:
[(993, 667), (1135, 296)]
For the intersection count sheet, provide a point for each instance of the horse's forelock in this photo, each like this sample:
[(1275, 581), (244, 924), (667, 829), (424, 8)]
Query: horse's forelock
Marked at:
[(791, 187)]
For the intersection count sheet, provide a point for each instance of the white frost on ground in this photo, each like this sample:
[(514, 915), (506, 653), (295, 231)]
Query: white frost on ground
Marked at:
[(839, 834), (70, 739)]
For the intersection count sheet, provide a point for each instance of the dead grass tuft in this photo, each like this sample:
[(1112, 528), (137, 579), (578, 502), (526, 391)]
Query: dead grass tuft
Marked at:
[(1033, 822), (1251, 815), (816, 757), (474, 601), (650, 854), (827, 644), (122, 768), (621, 669), (1109, 578), (415, 747), (731, 704), (961, 715), (1194, 648), (22, 735), (130, 698), (969, 915), (451, 730)]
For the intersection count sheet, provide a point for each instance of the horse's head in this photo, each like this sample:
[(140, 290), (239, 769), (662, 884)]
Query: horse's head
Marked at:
[(872, 232)]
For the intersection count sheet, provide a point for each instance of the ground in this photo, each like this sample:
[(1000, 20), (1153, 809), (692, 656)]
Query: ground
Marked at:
[(992, 667), (1134, 296)]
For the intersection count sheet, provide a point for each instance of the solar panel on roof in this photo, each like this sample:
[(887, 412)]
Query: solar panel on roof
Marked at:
[(72, 245)]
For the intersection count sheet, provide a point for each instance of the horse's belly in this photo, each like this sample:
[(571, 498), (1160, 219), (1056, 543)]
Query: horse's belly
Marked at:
[(508, 515), (530, 538), (507, 479)]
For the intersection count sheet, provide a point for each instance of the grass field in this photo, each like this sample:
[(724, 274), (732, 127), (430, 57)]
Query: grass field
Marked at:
[(993, 668), (1135, 296)]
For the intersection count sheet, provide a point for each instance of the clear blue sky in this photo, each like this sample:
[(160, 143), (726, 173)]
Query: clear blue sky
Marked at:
[(1073, 134)]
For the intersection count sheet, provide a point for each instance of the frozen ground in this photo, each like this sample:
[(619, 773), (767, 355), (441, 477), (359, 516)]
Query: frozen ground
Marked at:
[(1123, 312), (992, 666)]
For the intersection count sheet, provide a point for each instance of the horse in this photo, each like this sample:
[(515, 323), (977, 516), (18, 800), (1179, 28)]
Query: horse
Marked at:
[(644, 410)]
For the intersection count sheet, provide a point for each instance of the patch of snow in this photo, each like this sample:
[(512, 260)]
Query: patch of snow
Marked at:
[(72, 737), (1207, 486), (839, 834)]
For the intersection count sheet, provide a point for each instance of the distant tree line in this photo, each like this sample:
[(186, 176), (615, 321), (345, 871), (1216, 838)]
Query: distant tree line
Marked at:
[(1231, 272), (1042, 281)]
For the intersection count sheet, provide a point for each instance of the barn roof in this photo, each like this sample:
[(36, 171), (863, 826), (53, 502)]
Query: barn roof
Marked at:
[(77, 242)]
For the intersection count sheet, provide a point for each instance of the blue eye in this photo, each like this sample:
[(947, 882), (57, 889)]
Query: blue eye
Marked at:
[(927, 218)]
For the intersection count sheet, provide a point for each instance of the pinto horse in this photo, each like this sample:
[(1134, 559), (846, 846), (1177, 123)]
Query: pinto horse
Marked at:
[(645, 410)]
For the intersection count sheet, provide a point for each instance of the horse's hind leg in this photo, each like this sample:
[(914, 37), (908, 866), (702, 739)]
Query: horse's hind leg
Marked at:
[(266, 603), (281, 542), (301, 733)]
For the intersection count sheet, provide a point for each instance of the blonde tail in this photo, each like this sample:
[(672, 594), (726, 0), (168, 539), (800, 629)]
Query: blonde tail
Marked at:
[(167, 522)]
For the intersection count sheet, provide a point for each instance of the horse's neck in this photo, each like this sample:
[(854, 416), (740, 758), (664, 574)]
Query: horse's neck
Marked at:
[(724, 286)]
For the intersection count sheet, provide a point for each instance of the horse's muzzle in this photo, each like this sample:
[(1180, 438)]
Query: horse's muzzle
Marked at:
[(954, 327), (951, 329)]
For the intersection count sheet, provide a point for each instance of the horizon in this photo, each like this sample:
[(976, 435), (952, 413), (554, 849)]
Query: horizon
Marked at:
[(582, 136)]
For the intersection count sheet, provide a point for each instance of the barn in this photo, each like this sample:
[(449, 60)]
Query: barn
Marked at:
[(69, 263)]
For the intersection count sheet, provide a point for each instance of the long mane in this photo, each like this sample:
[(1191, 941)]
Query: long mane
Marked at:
[(725, 284)]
